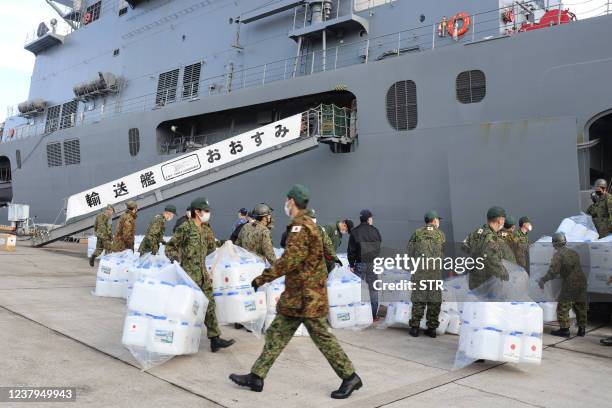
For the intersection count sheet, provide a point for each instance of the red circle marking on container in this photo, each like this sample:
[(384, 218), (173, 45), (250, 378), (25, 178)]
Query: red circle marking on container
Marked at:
[(533, 348)]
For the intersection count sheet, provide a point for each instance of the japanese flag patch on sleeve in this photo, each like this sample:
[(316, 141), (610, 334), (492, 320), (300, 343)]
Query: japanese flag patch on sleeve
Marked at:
[(296, 228)]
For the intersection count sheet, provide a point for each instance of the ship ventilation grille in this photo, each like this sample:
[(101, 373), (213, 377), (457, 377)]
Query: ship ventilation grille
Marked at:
[(134, 141), (72, 152), (191, 80), (471, 86), (402, 105), (166, 87), (68, 114), (54, 154), (52, 122)]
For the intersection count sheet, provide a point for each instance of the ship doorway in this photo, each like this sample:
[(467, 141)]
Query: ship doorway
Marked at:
[(6, 188), (596, 163)]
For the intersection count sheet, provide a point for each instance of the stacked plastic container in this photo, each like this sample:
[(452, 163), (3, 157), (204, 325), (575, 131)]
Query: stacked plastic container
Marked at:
[(501, 331), (601, 266), (112, 275), (165, 316), (344, 295)]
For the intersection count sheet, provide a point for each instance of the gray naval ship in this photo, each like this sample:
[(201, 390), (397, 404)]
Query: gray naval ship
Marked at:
[(451, 105)]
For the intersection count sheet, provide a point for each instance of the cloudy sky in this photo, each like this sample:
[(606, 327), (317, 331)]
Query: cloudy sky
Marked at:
[(18, 17)]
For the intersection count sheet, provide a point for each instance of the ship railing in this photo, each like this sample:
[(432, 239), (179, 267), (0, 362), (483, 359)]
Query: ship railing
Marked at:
[(32, 35), (484, 26), (303, 15)]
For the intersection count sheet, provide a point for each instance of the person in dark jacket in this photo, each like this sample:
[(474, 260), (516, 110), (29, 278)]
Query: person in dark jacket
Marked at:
[(182, 219), (363, 247), (239, 225)]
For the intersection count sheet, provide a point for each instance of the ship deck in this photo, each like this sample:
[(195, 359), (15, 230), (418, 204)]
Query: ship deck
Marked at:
[(56, 333)]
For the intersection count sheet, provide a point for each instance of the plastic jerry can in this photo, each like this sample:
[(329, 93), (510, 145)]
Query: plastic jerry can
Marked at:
[(182, 304), (485, 343), (444, 320), (403, 312), (220, 306), (533, 321), (531, 350), (150, 296), (273, 293), (363, 314), (341, 316), (194, 340), (454, 323), (103, 287), (240, 306), (549, 310), (135, 330), (512, 346)]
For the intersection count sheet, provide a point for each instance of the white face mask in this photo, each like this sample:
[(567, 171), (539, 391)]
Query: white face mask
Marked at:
[(287, 212), (205, 217), (529, 227), (314, 220)]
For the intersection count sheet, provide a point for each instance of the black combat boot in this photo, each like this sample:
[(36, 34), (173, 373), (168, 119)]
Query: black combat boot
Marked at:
[(606, 341), (562, 332), (353, 383), (581, 331), (253, 381), (413, 331), (217, 343), (431, 332), (91, 260)]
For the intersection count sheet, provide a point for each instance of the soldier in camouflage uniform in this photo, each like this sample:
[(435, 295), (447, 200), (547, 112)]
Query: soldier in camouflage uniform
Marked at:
[(303, 301), (508, 243), (427, 243), (601, 210), (255, 236), (126, 229), (103, 230), (566, 265), (155, 233), (337, 230), (485, 243), (329, 252), (190, 244), (521, 237)]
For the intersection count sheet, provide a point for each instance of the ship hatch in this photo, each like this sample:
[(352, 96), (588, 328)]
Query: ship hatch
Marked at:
[(6, 189), (595, 157), (335, 111)]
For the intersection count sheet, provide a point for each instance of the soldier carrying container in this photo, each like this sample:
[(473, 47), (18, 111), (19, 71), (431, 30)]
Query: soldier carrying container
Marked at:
[(103, 230), (155, 233), (126, 229)]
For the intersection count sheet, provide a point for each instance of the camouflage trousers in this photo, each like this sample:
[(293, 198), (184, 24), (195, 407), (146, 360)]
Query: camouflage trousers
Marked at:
[(418, 310), (102, 245), (580, 308), (281, 331), (210, 320)]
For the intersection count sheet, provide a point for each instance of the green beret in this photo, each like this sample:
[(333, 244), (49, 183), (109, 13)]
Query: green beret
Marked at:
[(311, 213), (170, 208), (431, 215), (523, 220), (510, 221), (300, 194), (200, 203), (132, 205), (495, 212)]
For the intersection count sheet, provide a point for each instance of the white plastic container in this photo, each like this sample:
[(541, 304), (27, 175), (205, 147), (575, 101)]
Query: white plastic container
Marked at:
[(240, 306), (465, 337), (511, 347), (549, 310), (194, 340), (398, 314), (135, 330), (531, 350), (513, 317), (485, 314), (533, 321), (105, 266), (269, 319), (167, 336), (220, 306), (103, 287), (454, 323), (363, 314), (273, 293), (485, 343), (344, 291), (444, 320), (449, 307), (150, 296), (341, 317), (92, 241), (183, 304), (239, 275), (260, 303), (118, 288)]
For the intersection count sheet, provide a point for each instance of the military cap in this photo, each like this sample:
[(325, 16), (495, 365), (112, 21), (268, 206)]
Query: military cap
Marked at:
[(311, 213), (300, 194), (261, 209), (558, 238), (601, 183), (523, 220), (510, 221), (431, 215), (200, 203), (131, 205), (170, 208), (495, 212)]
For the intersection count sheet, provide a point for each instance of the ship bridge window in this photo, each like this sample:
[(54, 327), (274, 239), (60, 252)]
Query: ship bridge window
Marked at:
[(166, 87), (54, 154), (134, 141), (93, 11), (471, 86), (191, 80), (68, 114), (52, 122), (402, 105), (72, 152), (368, 4)]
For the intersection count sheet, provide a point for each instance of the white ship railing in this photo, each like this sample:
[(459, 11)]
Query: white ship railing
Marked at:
[(484, 26)]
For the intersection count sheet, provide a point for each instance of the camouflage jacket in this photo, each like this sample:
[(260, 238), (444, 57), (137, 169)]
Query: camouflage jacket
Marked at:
[(508, 245), (601, 212), (334, 235), (154, 236), (521, 251), (427, 243), (565, 264), (190, 245), (211, 242), (256, 237), (329, 252), (486, 244), (302, 264), (124, 233), (103, 229)]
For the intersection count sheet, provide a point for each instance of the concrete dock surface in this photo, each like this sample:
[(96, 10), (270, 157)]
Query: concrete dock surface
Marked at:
[(54, 332)]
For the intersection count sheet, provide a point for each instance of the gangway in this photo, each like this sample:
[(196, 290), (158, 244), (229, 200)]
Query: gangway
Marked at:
[(197, 169)]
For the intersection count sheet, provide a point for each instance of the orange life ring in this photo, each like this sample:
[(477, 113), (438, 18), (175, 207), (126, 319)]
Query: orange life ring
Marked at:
[(87, 18), (461, 30)]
